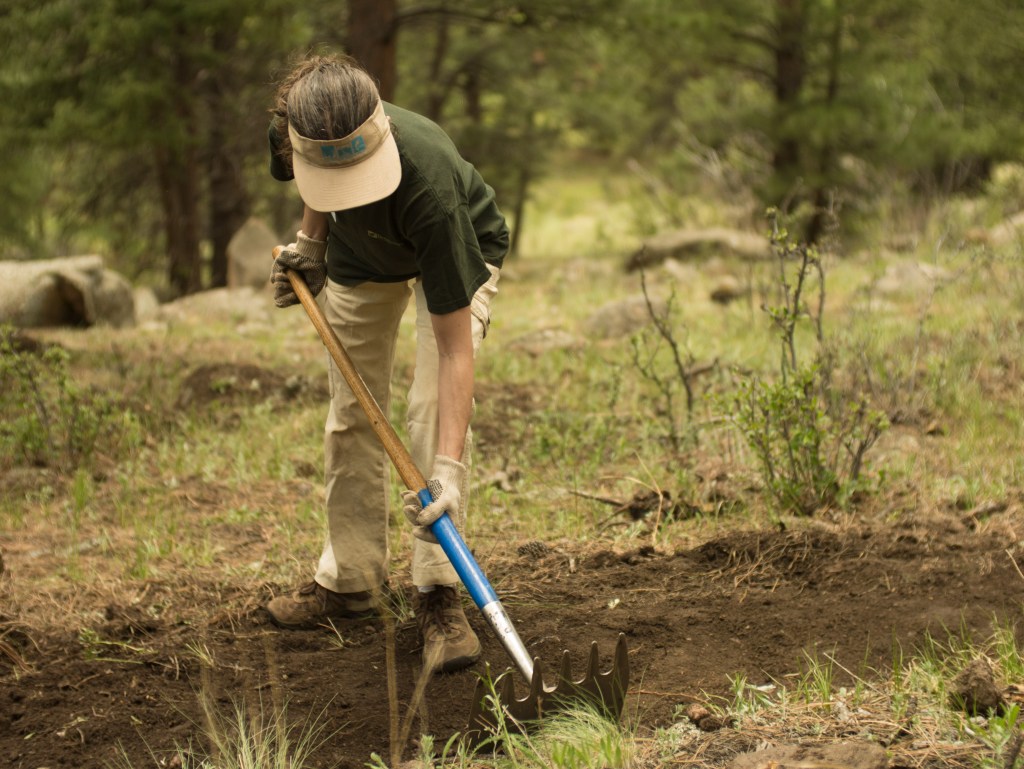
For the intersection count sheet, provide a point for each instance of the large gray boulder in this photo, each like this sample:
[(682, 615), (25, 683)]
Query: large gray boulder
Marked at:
[(249, 255), (687, 244), (70, 291)]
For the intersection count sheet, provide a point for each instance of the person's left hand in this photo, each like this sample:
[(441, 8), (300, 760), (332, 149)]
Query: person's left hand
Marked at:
[(445, 486), (306, 256)]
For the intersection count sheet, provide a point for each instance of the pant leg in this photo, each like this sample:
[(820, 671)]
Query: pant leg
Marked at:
[(357, 470), (430, 565)]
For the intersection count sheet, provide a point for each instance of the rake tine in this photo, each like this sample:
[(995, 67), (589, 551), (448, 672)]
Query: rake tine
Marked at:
[(603, 690), (565, 673), (621, 663), (536, 683), (508, 690), (593, 664)]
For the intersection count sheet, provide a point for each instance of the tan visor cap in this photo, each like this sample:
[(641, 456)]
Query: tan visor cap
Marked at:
[(336, 174)]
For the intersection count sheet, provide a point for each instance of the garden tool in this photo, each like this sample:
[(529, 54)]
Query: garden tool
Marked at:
[(605, 691)]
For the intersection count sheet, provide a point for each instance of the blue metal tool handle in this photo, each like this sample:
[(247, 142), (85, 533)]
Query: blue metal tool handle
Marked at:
[(479, 588), (458, 553)]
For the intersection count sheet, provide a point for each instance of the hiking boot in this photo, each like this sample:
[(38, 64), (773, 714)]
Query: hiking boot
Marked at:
[(449, 643), (313, 605)]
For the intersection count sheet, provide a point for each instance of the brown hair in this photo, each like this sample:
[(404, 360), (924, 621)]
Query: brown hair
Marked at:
[(323, 97)]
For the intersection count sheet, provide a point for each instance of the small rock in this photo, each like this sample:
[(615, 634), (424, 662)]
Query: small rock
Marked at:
[(537, 343), (713, 723), (845, 755), (910, 278), (624, 317), (696, 712), (974, 689), (728, 290), (147, 305), (249, 255)]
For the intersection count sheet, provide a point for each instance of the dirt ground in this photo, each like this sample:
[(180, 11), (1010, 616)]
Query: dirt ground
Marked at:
[(90, 669), (751, 603)]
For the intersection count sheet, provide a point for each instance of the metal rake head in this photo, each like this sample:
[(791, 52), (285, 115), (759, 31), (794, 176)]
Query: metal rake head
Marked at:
[(605, 692)]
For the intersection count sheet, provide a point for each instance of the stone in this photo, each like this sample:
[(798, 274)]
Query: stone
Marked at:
[(624, 317), (728, 289), (250, 253), (843, 755), (1007, 233), (541, 341), (147, 305), (238, 307), (69, 291), (910, 278), (974, 689), (696, 243)]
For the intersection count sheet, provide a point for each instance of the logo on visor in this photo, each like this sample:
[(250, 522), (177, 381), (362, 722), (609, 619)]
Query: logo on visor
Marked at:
[(345, 151)]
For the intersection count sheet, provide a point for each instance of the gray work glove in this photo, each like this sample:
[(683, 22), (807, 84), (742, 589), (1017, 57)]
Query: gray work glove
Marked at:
[(445, 485), (306, 256)]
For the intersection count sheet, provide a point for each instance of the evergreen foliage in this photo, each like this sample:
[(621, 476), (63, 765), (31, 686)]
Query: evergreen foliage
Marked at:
[(137, 128)]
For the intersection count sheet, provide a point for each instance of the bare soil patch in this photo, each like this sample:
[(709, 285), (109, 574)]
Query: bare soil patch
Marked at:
[(749, 602), (245, 383)]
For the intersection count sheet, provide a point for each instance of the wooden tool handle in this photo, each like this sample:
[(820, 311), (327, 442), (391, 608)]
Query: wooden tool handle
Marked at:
[(407, 470)]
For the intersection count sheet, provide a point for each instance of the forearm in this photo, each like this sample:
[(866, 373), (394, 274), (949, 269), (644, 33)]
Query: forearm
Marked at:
[(454, 381), (314, 223)]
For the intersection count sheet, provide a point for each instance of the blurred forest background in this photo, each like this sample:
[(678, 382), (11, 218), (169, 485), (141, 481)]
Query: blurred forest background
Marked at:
[(137, 128)]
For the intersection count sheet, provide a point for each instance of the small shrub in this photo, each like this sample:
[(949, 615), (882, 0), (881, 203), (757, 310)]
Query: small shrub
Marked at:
[(809, 440), (47, 417)]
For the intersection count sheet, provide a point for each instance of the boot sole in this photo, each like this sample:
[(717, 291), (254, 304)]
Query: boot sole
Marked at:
[(458, 663)]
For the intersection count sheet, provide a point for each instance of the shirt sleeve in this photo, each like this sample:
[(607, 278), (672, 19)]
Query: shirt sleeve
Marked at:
[(449, 259)]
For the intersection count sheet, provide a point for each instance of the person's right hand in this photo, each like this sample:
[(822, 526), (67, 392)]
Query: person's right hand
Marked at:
[(445, 487), (306, 256)]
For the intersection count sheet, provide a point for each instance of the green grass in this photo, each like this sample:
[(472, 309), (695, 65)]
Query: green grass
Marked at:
[(177, 486), (249, 737), (593, 423)]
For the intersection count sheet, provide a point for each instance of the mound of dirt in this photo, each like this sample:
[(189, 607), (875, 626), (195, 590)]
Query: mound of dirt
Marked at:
[(219, 383)]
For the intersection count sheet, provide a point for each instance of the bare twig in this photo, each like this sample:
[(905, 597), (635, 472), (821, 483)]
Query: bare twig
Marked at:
[(1014, 562)]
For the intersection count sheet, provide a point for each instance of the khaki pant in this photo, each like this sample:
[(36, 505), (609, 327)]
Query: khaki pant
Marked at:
[(357, 469)]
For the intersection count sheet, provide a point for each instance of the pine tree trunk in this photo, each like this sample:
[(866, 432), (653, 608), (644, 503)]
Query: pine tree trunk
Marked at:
[(177, 164), (179, 195), (372, 33), (790, 71), (827, 152), (229, 202), (523, 179), (437, 91)]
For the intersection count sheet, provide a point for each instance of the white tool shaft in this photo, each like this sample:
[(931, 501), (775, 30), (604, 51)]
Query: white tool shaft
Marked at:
[(502, 626)]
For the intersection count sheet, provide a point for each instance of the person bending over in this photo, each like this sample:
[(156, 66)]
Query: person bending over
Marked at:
[(391, 211)]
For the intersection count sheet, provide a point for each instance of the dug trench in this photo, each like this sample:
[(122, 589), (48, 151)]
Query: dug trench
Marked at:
[(755, 603)]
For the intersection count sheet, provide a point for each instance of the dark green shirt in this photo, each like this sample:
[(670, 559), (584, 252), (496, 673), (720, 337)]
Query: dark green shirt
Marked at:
[(441, 224)]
